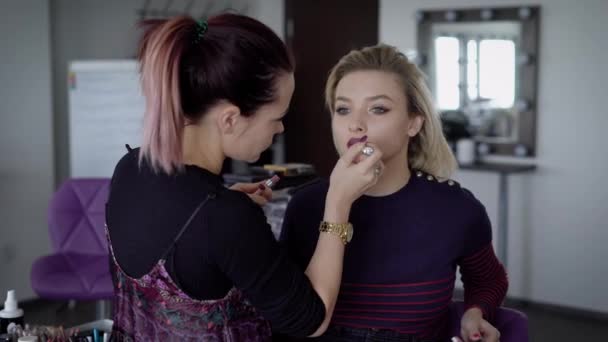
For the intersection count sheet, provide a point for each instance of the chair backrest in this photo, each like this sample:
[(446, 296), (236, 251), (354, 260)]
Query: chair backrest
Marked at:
[(77, 216), (512, 324)]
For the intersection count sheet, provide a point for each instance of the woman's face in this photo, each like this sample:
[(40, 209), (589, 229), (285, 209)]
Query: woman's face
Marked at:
[(266, 122), (373, 104)]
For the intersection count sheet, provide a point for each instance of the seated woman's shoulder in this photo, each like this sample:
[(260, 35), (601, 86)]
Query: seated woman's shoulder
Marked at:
[(447, 189)]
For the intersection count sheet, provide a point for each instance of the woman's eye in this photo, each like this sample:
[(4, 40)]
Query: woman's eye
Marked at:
[(379, 110), (342, 110)]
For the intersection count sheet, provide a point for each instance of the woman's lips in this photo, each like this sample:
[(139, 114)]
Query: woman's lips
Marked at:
[(353, 141)]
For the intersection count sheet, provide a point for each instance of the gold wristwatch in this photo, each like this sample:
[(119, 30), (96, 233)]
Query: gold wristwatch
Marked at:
[(343, 230)]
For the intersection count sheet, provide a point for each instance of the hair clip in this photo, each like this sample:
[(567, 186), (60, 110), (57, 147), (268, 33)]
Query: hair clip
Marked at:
[(201, 29)]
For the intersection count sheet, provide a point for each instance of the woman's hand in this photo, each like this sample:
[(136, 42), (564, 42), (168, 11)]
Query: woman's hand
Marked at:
[(474, 328), (258, 192), (353, 175)]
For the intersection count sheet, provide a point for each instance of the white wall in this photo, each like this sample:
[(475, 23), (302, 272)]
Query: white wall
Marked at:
[(271, 13), (26, 148), (559, 217)]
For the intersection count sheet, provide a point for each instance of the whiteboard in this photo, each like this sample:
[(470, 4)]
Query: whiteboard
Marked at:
[(106, 110)]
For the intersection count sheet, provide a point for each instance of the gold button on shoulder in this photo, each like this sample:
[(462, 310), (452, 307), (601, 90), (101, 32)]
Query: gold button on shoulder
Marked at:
[(451, 182), (418, 174), (429, 177)]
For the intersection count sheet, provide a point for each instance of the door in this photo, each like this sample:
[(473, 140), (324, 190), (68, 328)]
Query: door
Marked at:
[(319, 33)]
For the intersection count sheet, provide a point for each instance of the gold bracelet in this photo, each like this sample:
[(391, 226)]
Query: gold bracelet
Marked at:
[(343, 230)]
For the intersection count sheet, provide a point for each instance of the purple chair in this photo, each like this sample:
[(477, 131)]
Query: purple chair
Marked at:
[(512, 324), (79, 268)]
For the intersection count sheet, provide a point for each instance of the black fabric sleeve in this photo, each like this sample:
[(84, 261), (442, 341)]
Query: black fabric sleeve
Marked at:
[(242, 245), (300, 230), (479, 228), (290, 242), (484, 278)]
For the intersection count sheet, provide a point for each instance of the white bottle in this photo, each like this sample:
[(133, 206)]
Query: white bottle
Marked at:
[(465, 151), (11, 313)]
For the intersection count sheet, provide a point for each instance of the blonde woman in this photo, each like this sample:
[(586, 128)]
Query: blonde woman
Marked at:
[(413, 227)]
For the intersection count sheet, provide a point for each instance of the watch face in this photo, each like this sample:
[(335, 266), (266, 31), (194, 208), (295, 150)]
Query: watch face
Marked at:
[(349, 234)]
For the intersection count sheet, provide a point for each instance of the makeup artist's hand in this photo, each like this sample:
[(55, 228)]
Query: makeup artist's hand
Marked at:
[(474, 328), (258, 192), (352, 176)]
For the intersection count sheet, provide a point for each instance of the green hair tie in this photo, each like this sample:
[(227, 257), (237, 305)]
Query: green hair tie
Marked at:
[(201, 29)]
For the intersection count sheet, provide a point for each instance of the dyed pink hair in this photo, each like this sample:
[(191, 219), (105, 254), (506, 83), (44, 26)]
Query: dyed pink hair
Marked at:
[(237, 59)]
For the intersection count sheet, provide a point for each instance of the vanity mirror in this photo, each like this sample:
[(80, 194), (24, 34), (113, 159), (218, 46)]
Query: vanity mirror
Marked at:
[(482, 67)]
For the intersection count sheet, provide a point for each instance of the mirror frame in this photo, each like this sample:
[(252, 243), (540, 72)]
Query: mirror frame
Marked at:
[(527, 62)]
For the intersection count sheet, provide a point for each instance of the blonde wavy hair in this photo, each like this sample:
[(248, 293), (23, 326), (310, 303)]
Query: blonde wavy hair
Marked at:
[(428, 151)]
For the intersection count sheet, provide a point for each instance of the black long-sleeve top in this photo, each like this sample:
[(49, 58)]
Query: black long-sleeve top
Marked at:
[(229, 243)]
